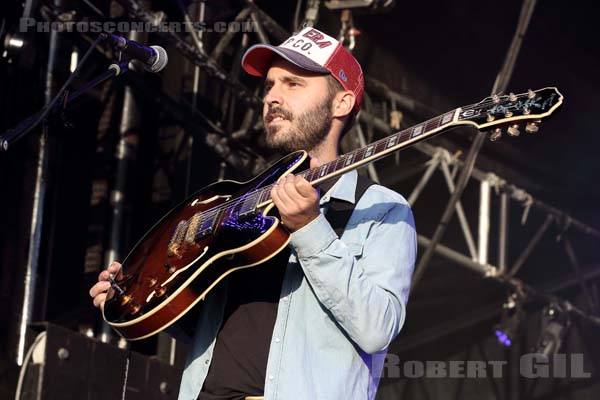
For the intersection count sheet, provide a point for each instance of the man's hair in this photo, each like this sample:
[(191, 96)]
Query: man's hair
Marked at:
[(333, 87)]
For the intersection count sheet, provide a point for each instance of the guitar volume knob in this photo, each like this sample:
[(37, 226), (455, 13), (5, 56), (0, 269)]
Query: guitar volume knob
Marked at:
[(126, 299), (151, 281), (134, 309), (161, 291)]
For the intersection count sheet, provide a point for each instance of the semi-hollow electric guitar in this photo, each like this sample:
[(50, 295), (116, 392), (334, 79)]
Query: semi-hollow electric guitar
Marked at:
[(230, 225)]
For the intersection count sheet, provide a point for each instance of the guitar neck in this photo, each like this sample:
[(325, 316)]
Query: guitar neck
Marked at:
[(380, 148), (372, 152)]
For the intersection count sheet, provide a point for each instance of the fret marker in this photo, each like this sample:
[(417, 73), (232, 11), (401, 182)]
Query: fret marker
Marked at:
[(323, 171), (392, 141), (368, 152), (447, 118), (417, 131), (349, 160)]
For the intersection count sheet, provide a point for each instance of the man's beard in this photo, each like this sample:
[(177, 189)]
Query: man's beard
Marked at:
[(306, 131)]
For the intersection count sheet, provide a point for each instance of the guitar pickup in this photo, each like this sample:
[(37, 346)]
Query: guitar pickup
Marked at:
[(247, 215), (247, 209), (207, 225)]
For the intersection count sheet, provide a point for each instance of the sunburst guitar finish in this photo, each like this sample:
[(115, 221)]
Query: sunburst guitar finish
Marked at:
[(221, 228)]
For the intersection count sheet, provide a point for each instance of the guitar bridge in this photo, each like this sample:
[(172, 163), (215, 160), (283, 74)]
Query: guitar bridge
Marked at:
[(174, 246)]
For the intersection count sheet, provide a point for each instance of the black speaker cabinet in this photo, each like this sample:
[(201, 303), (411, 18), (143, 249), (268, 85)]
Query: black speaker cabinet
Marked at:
[(71, 366)]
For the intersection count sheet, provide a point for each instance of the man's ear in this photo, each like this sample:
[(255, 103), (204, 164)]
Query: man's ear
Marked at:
[(342, 104)]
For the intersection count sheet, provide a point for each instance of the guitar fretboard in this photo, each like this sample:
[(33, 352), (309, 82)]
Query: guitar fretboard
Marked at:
[(372, 152)]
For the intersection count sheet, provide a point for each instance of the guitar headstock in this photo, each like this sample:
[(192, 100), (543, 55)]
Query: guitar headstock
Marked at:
[(512, 110)]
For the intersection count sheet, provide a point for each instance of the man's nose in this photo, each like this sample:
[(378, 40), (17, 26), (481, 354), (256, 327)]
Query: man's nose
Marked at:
[(273, 96)]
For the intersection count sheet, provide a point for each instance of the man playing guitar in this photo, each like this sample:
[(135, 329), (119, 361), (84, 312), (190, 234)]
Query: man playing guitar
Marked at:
[(315, 321)]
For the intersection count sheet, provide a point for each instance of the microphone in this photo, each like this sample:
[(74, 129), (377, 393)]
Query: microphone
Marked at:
[(154, 58)]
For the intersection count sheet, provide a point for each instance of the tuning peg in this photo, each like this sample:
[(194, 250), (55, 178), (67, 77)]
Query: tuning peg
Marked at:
[(526, 110), (490, 118), (513, 130), (530, 94), (532, 127), (508, 114), (512, 97), (496, 134), (496, 99)]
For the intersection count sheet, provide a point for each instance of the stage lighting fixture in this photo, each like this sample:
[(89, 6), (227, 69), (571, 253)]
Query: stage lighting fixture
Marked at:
[(512, 314), (12, 45), (554, 325)]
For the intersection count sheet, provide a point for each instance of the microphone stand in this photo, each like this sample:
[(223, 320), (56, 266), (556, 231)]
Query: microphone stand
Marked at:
[(58, 103), (28, 124)]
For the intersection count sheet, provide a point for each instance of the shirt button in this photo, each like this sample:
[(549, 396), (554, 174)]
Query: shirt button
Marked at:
[(271, 377), (285, 298), (206, 362), (277, 340)]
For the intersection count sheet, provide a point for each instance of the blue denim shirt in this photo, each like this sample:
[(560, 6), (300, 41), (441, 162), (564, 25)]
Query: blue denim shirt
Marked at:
[(343, 300)]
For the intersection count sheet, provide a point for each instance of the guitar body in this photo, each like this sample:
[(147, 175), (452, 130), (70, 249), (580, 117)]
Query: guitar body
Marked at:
[(211, 234)]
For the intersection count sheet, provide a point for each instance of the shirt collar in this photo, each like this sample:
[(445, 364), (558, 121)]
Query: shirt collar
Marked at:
[(344, 189)]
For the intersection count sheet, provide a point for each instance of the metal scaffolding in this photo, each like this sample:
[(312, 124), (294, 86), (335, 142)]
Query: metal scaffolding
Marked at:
[(234, 129), (477, 258)]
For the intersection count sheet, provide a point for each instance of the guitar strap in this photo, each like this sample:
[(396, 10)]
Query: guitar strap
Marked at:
[(339, 211)]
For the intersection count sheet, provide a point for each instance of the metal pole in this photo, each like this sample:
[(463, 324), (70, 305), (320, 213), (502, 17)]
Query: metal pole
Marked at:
[(530, 246), (53, 72), (433, 164), (461, 259), (126, 154), (575, 264), (503, 232), (499, 86), (484, 221), (464, 224)]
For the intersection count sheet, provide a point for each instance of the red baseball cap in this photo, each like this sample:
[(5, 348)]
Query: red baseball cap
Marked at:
[(314, 51)]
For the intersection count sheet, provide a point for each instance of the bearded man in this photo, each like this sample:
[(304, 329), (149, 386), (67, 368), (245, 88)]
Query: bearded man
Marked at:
[(315, 322)]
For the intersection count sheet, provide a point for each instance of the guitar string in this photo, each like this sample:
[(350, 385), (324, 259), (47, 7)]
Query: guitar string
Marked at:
[(400, 135)]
